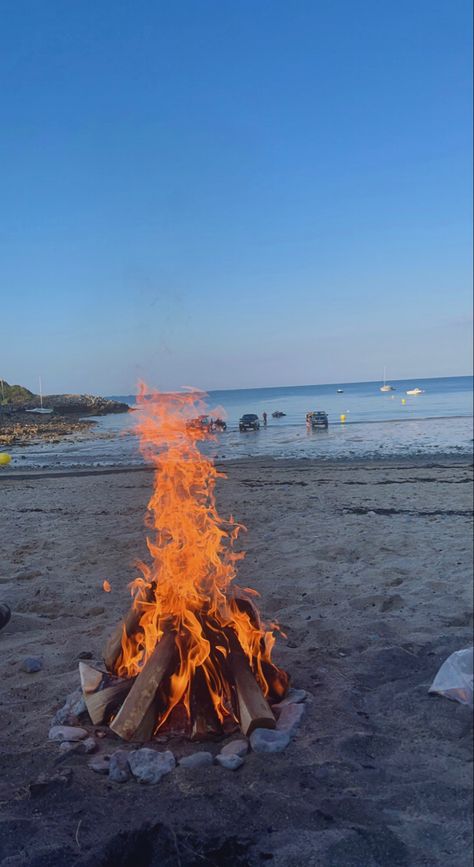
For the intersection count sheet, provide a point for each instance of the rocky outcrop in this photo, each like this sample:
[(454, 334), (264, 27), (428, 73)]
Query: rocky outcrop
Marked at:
[(83, 404), (16, 398)]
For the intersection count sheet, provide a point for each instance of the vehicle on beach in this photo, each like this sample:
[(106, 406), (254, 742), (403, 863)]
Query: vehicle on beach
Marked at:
[(317, 420), (249, 421), (415, 390), (278, 414), (340, 391), (206, 423)]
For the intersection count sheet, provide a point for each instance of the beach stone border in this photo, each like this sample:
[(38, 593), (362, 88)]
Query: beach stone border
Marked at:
[(147, 765)]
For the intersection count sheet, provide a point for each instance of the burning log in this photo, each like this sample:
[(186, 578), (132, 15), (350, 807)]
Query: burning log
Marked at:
[(144, 689), (103, 692), (253, 709), (205, 725), (113, 647)]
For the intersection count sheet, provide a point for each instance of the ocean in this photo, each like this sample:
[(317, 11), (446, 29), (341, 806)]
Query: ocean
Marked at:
[(377, 425)]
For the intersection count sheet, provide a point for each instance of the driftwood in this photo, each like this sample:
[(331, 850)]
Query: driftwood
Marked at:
[(103, 692), (144, 689), (253, 709)]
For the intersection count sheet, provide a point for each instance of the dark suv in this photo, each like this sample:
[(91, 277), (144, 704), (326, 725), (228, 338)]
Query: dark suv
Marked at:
[(249, 421)]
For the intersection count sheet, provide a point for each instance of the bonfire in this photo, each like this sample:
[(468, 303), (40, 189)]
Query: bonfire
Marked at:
[(192, 654)]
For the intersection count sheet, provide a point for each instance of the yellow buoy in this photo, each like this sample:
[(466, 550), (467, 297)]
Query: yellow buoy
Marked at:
[(342, 417), (4, 459), (404, 400)]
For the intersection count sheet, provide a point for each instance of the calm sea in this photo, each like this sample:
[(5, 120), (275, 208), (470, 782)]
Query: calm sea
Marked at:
[(377, 425)]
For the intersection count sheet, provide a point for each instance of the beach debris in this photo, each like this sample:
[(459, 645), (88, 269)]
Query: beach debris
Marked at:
[(119, 768), (454, 679), (67, 733), (149, 766), (231, 762), (5, 615), (196, 760), (31, 664)]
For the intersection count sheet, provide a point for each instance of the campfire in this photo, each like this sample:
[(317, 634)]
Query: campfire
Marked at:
[(192, 654)]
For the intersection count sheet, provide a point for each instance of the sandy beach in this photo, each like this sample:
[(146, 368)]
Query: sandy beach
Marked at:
[(367, 568)]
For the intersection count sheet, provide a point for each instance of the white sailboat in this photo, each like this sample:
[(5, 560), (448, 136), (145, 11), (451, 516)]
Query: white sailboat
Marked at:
[(40, 409), (386, 386)]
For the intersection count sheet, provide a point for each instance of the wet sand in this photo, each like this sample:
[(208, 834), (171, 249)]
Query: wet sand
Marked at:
[(367, 567)]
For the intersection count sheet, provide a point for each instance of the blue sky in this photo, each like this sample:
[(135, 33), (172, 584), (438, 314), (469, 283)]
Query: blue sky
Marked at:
[(233, 194)]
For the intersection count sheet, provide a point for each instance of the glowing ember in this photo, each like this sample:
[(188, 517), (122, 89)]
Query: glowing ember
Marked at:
[(188, 586)]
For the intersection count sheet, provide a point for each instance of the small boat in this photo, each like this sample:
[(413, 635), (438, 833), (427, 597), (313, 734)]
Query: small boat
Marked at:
[(278, 414), (415, 390), (340, 391), (386, 386), (40, 409)]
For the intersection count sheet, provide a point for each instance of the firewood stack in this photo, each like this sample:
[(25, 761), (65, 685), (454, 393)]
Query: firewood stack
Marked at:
[(135, 708)]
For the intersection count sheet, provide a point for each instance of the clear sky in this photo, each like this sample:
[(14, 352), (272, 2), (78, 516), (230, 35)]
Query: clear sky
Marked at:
[(233, 193)]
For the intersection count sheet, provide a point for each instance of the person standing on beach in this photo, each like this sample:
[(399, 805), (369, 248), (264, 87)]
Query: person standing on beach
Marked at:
[(264, 418)]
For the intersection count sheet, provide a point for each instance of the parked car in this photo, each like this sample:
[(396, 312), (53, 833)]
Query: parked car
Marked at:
[(278, 414), (317, 420), (249, 421)]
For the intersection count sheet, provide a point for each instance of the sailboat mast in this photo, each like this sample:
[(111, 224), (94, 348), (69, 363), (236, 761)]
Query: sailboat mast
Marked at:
[(41, 392)]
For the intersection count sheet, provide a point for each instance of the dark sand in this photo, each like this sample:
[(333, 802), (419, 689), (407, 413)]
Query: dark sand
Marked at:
[(380, 772)]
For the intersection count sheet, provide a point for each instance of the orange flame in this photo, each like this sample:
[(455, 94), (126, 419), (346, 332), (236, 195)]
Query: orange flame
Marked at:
[(188, 584)]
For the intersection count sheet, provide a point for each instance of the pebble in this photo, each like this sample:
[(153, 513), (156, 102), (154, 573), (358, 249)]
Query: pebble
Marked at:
[(88, 745), (196, 760), (289, 718), (235, 748), (85, 654), (295, 696), (100, 764), (269, 740), (119, 768), (371, 514), (231, 763), (66, 733), (149, 766), (72, 709), (31, 664)]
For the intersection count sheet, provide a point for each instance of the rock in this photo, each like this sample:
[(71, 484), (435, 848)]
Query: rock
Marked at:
[(67, 733), (196, 760), (72, 709), (31, 665), (289, 718), (88, 745), (149, 766), (269, 740), (295, 696), (95, 611), (235, 748), (119, 768), (85, 654), (230, 762), (371, 514), (100, 764), (45, 783)]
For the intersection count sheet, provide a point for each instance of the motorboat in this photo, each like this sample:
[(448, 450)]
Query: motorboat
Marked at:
[(415, 390)]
